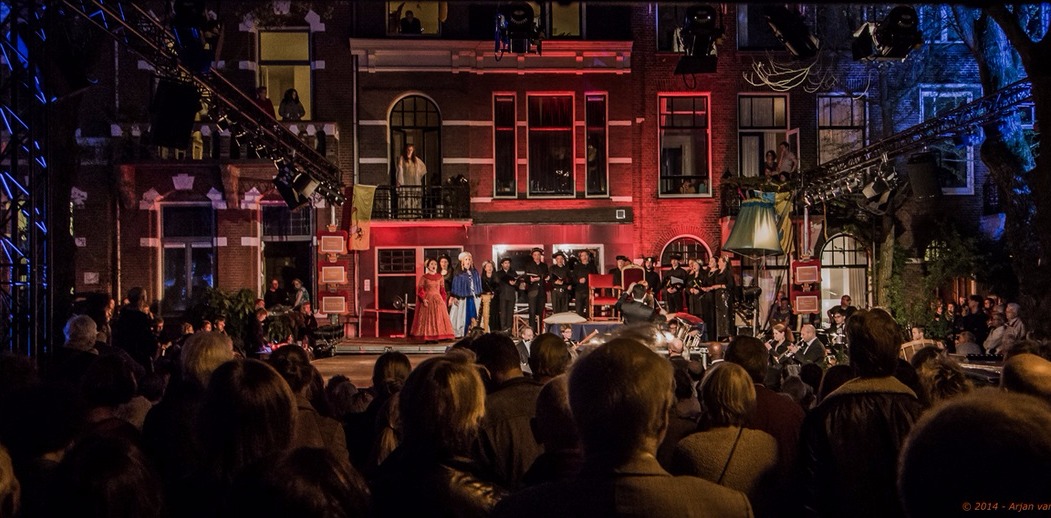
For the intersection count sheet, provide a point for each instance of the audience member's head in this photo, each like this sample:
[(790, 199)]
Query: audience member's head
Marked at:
[(108, 475), (202, 354), (249, 412), (40, 419), (10, 489), (81, 332), (798, 391), (943, 378), (621, 383), (750, 354), (727, 396), (442, 404), (293, 364), (553, 424), (108, 382), (985, 447), (341, 394), (499, 355), (925, 355), (548, 357), (389, 373), (875, 340), (306, 482), (1041, 348), (811, 374), (17, 372), (1027, 374), (907, 375), (834, 378)]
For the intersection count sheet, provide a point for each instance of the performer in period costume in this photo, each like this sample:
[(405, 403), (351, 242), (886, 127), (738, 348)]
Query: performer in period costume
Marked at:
[(674, 280), (722, 298), (622, 261), (464, 300), (507, 295), (490, 320), (537, 274), (560, 282), (445, 269), (431, 320), (583, 268)]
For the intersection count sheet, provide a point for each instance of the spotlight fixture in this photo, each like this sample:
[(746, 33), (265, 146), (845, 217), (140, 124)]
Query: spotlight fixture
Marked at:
[(285, 184), (697, 36), (790, 28), (516, 30), (889, 40)]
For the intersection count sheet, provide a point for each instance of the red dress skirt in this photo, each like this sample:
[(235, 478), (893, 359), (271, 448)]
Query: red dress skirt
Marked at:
[(431, 320)]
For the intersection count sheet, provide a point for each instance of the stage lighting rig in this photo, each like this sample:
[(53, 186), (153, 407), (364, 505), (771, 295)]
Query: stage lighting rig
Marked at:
[(889, 40), (697, 36), (516, 30), (790, 28)]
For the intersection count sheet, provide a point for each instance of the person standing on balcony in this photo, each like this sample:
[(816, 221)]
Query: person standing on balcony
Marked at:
[(411, 175), (264, 102), (291, 109)]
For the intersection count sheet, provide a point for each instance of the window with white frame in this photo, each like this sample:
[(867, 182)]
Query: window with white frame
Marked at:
[(284, 64), (840, 126), (596, 147), (955, 156), (505, 155), (762, 125), (551, 155), (686, 247), (844, 271), (685, 168), (188, 239)]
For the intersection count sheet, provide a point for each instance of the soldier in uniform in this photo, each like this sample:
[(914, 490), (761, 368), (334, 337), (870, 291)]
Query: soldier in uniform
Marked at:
[(583, 268), (560, 282), (537, 274), (507, 295), (674, 279)]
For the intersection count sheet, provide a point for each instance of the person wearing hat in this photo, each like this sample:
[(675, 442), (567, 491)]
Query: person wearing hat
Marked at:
[(464, 300), (581, 271), (653, 279), (537, 274), (674, 279), (622, 261), (560, 282), (507, 295)]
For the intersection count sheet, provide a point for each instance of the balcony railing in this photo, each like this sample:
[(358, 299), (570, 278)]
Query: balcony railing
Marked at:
[(422, 202)]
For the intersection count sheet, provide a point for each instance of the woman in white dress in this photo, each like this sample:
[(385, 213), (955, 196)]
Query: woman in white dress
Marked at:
[(412, 173)]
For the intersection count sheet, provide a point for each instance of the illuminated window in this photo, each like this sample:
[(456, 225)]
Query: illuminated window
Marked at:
[(686, 247), (684, 136), (840, 126), (762, 124), (426, 18), (551, 145), (844, 271), (284, 64), (559, 20), (955, 158), (415, 120)]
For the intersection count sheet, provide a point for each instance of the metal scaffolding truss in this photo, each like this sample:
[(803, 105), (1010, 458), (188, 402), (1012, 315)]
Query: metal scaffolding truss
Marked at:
[(230, 108), (24, 218), (826, 182)]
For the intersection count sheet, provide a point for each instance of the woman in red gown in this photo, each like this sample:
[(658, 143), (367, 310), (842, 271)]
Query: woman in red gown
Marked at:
[(431, 321)]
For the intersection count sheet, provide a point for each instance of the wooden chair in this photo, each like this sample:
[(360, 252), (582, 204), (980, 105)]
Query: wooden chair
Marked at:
[(630, 275), (603, 294)]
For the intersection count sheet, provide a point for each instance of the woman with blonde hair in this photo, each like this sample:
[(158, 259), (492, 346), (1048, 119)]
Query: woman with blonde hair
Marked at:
[(441, 409), (464, 299)]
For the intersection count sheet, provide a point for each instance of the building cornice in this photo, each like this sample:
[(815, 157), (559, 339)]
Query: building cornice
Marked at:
[(477, 57)]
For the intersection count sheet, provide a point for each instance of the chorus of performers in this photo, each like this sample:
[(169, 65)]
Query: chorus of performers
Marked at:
[(487, 298)]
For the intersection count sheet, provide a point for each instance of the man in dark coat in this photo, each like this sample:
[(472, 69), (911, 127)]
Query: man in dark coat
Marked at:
[(673, 282), (622, 261), (852, 439), (537, 273), (633, 309), (507, 296), (133, 330), (621, 395), (560, 282), (581, 270)]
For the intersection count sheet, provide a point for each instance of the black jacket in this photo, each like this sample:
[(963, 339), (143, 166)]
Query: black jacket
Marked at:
[(851, 443), (412, 485)]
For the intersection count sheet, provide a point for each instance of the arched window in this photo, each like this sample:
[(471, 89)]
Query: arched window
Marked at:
[(844, 271), (688, 247), (415, 120)]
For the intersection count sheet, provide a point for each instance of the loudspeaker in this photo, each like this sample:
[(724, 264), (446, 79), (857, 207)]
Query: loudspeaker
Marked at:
[(923, 175), (174, 106)]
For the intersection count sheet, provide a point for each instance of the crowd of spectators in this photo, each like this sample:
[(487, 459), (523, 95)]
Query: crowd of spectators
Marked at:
[(614, 428)]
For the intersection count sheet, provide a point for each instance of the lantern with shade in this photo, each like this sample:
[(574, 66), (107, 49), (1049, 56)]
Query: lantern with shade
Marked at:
[(754, 236)]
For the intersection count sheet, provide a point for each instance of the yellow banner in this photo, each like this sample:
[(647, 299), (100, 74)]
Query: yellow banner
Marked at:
[(783, 210), (361, 216)]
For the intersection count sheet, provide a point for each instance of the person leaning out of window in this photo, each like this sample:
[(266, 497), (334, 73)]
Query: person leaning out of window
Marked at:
[(291, 109)]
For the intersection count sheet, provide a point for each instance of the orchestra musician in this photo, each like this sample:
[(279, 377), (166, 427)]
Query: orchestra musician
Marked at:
[(560, 281), (581, 270), (537, 273), (781, 346)]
